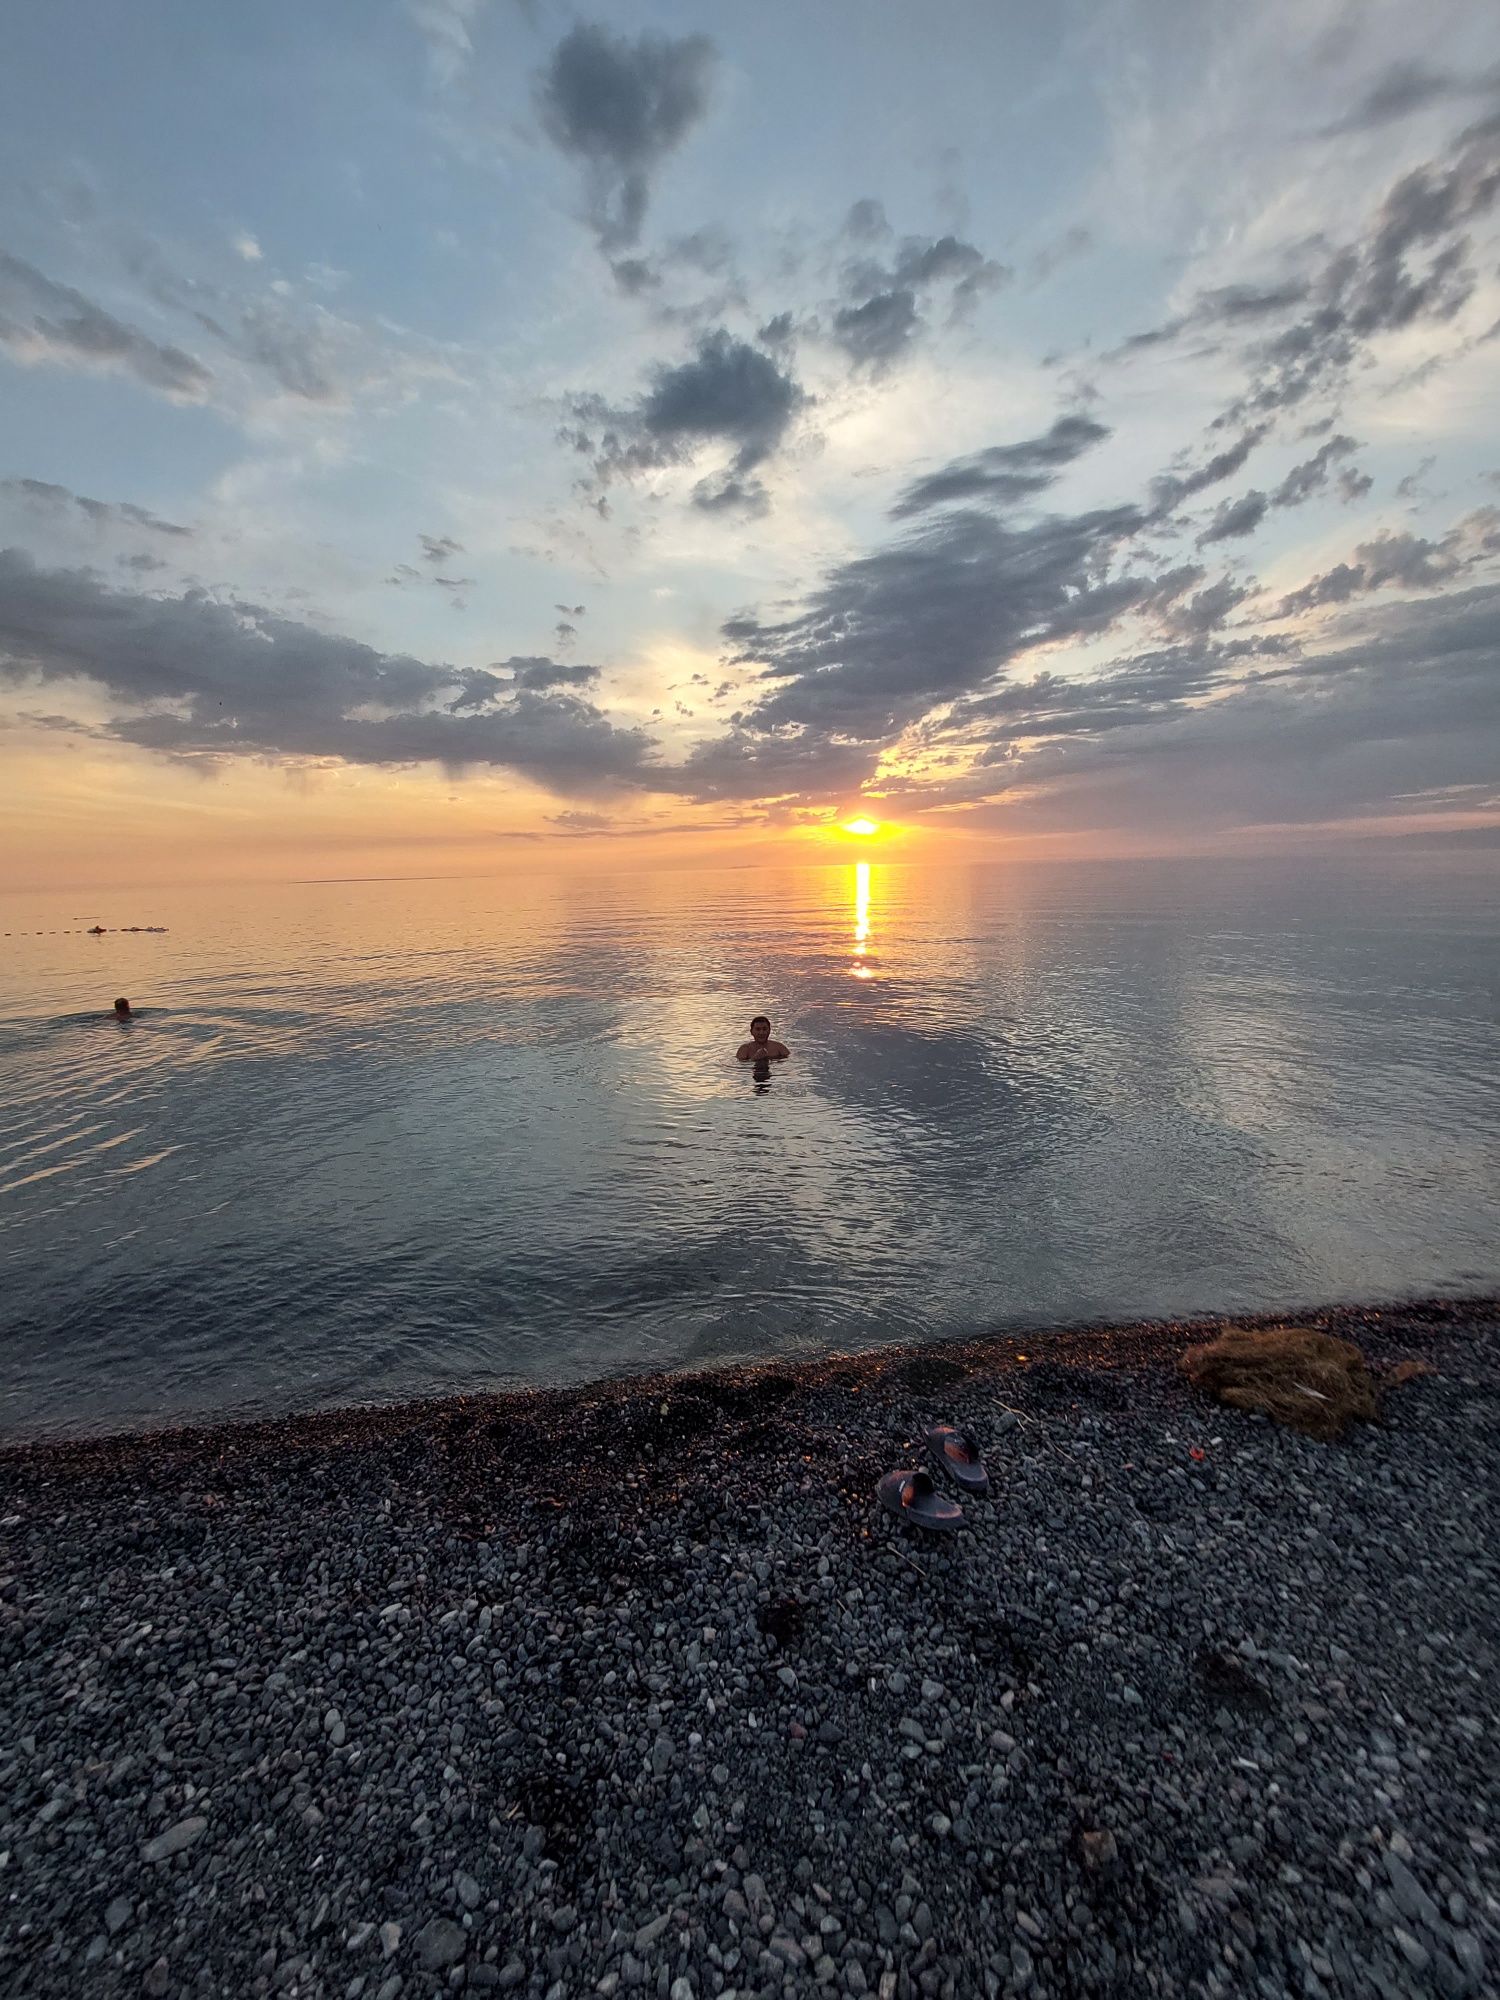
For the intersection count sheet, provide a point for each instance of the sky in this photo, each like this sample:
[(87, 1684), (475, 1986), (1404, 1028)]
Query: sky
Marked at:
[(448, 436)]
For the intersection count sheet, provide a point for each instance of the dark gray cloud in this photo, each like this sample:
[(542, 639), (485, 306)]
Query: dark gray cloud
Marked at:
[(1398, 557), (438, 548), (728, 393), (44, 321), (1142, 690), (540, 672), (1404, 712), (46, 498), (1407, 87), (789, 765), (880, 314), (1170, 489), (1313, 474), (928, 618), (201, 676), (1004, 472), (1413, 264), (620, 107), (878, 330), (1233, 518)]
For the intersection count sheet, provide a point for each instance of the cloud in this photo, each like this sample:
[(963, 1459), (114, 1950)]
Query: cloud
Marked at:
[(533, 672), (1412, 265), (748, 763), (438, 548), (447, 28), (1004, 472), (1399, 557), (247, 246), (41, 321), (580, 822), (878, 330), (1405, 712), (200, 676), (1407, 87), (42, 496), (1312, 475), (932, 616), (1170, 489), (621, 108), (727, 393), (1233, 518), (881, 316)]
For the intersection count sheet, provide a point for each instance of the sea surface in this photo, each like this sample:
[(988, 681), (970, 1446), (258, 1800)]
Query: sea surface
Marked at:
[(371, 1139)]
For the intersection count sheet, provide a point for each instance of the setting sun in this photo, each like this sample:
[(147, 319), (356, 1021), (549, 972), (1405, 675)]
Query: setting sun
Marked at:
[(865, 826)]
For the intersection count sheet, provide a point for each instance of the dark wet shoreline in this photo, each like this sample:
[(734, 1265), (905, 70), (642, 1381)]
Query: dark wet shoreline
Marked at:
[(1095, 1348)]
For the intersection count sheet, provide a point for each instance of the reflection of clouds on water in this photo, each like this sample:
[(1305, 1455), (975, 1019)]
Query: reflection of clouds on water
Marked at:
[(393, 1137)]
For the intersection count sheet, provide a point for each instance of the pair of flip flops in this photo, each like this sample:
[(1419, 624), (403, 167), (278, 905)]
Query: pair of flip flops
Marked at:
[(911, 1495)]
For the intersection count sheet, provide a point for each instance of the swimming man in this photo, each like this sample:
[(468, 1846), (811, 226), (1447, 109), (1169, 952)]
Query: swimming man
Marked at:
[(760, 1047)]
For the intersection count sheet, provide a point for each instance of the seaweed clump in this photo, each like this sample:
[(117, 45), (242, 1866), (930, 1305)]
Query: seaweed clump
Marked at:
[(1304, 1379)]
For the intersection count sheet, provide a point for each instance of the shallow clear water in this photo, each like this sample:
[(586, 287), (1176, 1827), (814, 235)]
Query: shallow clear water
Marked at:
[(372, 1139)]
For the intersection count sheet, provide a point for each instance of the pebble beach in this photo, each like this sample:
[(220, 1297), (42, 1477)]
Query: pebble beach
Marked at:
[(632, 1689)]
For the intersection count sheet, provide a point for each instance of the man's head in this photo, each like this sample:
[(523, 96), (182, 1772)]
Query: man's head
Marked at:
[(760, 1028), (122, 1008)]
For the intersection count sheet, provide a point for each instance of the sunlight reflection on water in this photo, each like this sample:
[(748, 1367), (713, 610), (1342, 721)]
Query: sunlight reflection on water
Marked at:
[(367, 1140)]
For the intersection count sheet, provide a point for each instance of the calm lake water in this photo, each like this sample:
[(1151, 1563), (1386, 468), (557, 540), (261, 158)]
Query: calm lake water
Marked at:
[(377, 1138)]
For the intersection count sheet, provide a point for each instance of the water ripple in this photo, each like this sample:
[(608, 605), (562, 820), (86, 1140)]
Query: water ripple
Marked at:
[(371, 1140)]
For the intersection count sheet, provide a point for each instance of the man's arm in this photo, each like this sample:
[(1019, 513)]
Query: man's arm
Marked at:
[(746, 1052), (776, 1050)]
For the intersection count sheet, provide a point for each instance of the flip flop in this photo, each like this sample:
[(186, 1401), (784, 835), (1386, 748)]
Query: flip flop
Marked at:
[(911, 1496), (957, 1452)]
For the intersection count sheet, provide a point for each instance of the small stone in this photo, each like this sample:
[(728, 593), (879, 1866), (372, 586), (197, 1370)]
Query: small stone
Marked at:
[(390, 1987), (157, 1978), (1099, 1847), (469, 1892), (118, 1915), (511, 1974), (932, 1690), (681, 1989), (175, 1840), (647, 1935), (440, 1943), (786, 1676), (564, 1919), (663, 1754), (1411, 1899), (1467, 1950), (390, 1937), (1416, 1955)]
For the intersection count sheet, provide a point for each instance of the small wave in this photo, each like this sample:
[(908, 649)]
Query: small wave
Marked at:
[(151, 1160)]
